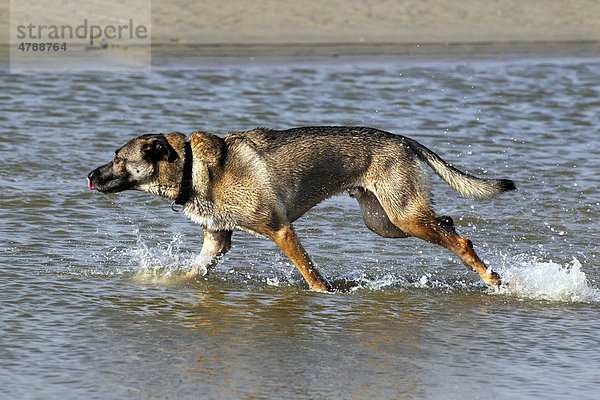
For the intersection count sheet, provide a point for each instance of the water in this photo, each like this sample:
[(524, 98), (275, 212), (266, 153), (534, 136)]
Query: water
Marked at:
[(93, 304)]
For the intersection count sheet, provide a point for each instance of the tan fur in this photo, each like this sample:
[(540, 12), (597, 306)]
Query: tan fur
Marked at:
[(260, 181)]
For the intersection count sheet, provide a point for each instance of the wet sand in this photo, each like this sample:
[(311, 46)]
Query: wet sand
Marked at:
[(271, 28), (358, 28)]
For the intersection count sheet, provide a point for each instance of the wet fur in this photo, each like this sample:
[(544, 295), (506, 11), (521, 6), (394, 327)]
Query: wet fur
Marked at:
[(260, 181)]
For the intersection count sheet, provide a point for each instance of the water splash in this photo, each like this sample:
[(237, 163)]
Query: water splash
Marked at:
[(359, 280), (531, 278), (401, 280), (527, 276), (164, 264)]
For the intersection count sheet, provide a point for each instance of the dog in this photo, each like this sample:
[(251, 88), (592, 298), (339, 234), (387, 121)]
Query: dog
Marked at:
[(261, 181)]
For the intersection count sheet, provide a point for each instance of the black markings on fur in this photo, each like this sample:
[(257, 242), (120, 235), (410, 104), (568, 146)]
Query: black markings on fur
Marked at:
[(186, 178)]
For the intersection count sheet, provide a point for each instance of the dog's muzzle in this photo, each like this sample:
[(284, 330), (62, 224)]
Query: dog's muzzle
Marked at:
[(103, 180)]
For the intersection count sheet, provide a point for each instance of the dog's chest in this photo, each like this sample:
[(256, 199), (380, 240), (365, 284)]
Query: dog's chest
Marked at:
[(204, 214)]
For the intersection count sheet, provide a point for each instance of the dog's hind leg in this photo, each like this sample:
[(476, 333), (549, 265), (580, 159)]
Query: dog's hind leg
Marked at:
[(447, 223), (427, 228), (418, 220), (286, 239), (214, 246)]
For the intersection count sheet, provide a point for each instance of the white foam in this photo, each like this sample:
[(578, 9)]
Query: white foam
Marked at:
[(160, 264), (385, 281), (527, 276), (358, 280), (531, 278)]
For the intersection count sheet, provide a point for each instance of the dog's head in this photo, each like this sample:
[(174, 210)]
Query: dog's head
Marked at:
[(151, 163)]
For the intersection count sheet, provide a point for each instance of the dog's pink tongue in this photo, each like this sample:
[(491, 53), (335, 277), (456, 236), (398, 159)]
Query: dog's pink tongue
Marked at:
[(90, 184)]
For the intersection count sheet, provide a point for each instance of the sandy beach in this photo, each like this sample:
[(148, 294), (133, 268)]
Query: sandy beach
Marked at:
[(380, 21), (358, 28)]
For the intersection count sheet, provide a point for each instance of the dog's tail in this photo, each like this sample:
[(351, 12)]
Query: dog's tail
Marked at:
[(465, 184)]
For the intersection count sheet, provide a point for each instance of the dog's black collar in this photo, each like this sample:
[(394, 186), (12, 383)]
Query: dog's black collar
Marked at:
[(186, 178)]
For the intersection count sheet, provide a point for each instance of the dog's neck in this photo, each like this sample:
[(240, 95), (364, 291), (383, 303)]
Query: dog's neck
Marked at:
[(199, 162), (185, 185)]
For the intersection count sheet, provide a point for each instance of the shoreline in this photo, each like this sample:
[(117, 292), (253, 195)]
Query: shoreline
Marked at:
[(214, 53), (375, 49)]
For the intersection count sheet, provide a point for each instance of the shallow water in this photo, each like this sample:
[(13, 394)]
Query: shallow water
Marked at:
[(93, 305)]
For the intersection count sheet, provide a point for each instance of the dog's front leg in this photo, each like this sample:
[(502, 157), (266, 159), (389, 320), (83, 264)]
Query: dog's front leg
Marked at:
[(214, 246), (288, 242)]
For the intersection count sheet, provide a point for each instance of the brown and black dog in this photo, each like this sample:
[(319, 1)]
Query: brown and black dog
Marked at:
[(260, 181)]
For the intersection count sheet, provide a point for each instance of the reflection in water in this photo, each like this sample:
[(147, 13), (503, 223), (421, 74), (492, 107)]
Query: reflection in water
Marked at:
[(253, 342), (93, 299)]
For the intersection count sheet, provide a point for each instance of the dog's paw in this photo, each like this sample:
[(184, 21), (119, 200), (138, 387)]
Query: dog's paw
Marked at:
[(198, 267)]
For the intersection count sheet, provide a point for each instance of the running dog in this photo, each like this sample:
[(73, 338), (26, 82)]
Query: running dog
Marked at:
[(261, 181)]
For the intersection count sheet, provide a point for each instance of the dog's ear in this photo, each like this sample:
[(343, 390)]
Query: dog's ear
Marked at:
[(159, 149)]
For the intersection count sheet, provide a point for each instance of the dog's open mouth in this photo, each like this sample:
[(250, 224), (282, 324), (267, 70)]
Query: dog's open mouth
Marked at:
[(89, 182)]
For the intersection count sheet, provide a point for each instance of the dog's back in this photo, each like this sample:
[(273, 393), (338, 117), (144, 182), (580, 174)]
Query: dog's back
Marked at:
[(307, 165)]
